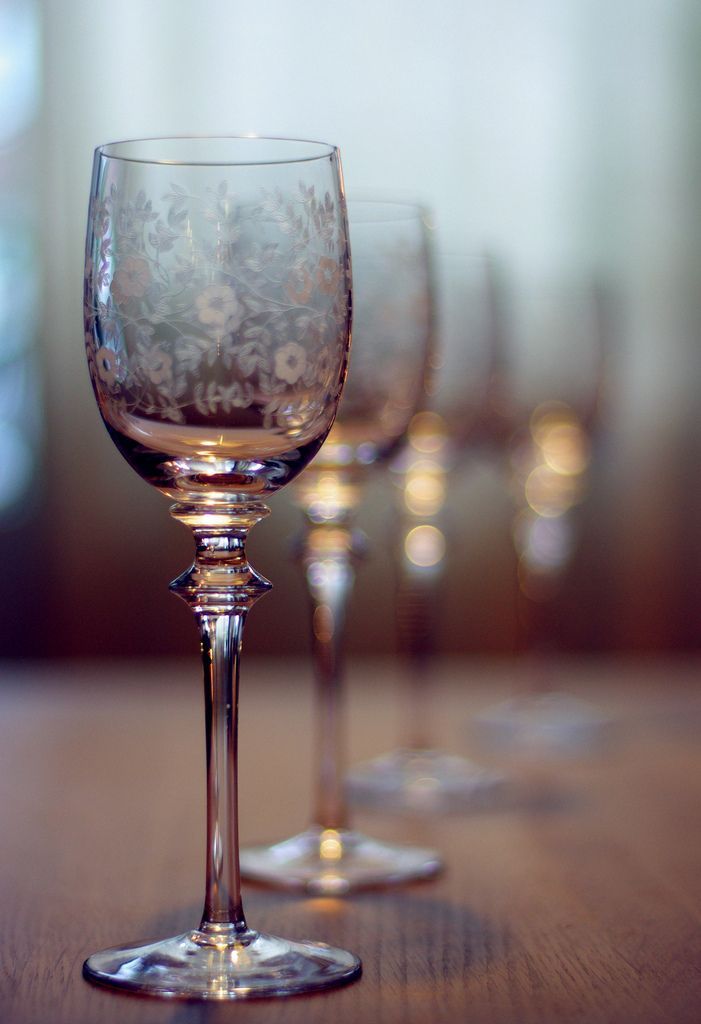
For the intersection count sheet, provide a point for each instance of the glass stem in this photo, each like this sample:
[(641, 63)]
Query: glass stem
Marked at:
[(416, 602), (329, 554), (417, 728), (220, 588), (221, 645)]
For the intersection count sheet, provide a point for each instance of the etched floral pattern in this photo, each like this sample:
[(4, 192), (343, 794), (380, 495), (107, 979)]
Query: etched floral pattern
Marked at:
[(131, 279), (290, 361), (200, 305)]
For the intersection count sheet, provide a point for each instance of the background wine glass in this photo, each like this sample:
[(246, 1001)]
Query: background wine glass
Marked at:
[(217, 328), (457, 424), (555, 383), (392, 322)]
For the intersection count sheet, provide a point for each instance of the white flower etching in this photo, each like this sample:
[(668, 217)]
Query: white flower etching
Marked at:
[(217, 306), (107, 366), (290, 361), (158, 365), (131, 279)]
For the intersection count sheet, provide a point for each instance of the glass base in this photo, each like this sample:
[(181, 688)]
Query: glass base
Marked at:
[(546, 724), (333, 862), (243, 965), (424, 780)]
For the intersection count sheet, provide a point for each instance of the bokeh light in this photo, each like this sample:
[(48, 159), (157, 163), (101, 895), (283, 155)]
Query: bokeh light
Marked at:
[(424, 546)]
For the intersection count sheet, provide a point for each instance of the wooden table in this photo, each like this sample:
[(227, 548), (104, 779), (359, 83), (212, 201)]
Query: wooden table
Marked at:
[(576, 900)]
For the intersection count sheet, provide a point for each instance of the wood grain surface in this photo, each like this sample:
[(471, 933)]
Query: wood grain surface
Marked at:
[(574, 900)]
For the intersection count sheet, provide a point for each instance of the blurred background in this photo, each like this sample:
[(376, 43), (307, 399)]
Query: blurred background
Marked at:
[(561, 139)]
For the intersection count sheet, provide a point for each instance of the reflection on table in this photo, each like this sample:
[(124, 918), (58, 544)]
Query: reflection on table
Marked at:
[(577, 902)]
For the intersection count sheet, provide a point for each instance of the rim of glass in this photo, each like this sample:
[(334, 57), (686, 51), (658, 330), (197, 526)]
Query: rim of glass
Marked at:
[(110, 150), (385, 208)]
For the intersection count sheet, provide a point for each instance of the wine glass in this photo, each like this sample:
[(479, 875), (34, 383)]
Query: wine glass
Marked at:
[(217, 311), (557, 377), (392, 319), (453, 426)]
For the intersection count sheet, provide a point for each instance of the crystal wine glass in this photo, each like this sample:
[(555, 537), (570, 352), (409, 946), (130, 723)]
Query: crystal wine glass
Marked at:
[(391, 335), (452, 428), (217, 312), (557, 377)]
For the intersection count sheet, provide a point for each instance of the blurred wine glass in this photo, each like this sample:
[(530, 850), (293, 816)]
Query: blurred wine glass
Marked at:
[(461, 413), (391, 339), (554, 387)]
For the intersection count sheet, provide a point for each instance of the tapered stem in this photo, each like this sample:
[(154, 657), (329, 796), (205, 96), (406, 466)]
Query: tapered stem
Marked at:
[(329, 554), (221, 587), (416, 627), (417, 726), (221, 645)]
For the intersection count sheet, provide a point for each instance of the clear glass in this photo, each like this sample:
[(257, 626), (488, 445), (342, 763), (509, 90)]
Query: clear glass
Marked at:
[(391, 348), (555, 380), (444, 437), (217, 287)]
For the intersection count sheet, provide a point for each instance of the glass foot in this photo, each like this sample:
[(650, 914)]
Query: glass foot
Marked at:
[(333, 862), (423, 780), (546, 724), (235, 965)]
